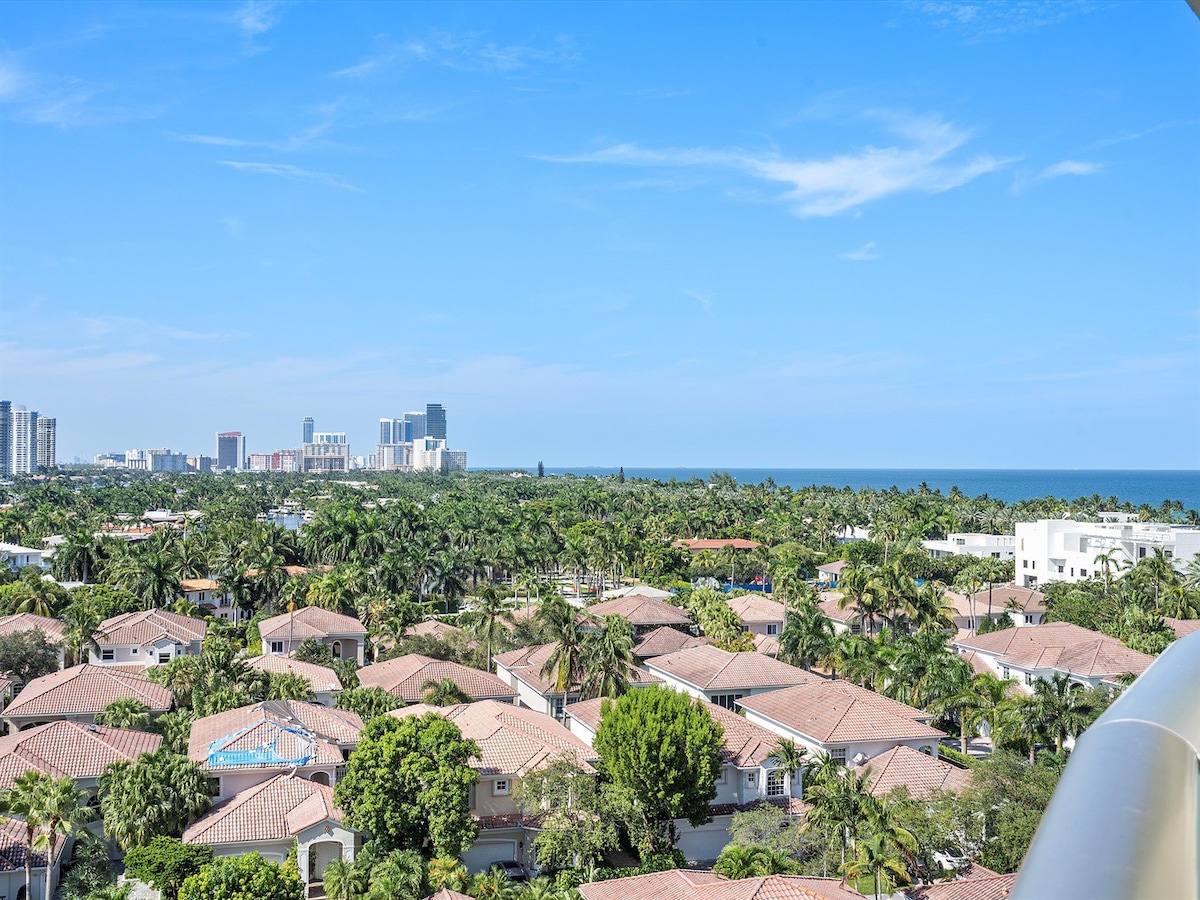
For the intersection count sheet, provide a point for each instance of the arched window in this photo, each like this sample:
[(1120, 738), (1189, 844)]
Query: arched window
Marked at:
[(320, 778), (337, 649)]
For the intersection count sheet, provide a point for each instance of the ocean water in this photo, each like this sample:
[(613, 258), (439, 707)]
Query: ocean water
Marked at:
[(1009, 485)]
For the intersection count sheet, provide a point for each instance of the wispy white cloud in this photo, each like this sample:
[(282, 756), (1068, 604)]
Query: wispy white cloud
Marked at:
[(998, 18), (703, 298), (469, 51), (61, 101), (1125, 136), (1059, 169), (258, 16), (282, 170), (865, 253), (923, 159)]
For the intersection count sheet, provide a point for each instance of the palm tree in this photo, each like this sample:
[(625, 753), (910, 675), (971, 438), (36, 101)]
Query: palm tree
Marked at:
[(443, 693), (344, 881), (565, 662), (151, 575), (401, 876), (1060, 708), (807, 637), (737, 862), (863, 594), (78, 556), (607, 660), (24, 801), (288, 686), (64, 811), (446, 873), (489, 615), (876, 857), (789, 758), (124, 712)]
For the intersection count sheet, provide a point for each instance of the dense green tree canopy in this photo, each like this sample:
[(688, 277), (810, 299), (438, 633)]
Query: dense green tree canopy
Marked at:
[(248, 877)]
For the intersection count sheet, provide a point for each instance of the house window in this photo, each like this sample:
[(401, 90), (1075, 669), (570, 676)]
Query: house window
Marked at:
[(724, 777), (276, 646), (1004, 672), (745, 629), (995, 556), (1024, 564), (751, 779), (727, 701), (1072, 570), (1029, 678), (337, 649), (164, 656), (838, 754), (500, 787), (776, 783), (1141, 552), (471, 797), (1033, 565), (134, 651), (1083, 572), (107, 655), (772, 628), (1060, 568), (1029, 620), (856, 628)]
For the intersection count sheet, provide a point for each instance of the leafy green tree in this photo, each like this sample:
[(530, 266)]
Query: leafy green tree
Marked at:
[(368, 702), (578, 820), (248, 877), (446, 872), (1003, 805), (408, 782), (166, 862), (23, 801), (160, 793), (288, 686), (124, 712), (26, 655), (344, 881), (398, 876), (663, 749)]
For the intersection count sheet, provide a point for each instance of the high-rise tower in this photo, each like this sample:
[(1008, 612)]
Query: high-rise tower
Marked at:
[(307, 425), (5, 437), (47, 429), (231, 451), (435, 421), (24, 440)]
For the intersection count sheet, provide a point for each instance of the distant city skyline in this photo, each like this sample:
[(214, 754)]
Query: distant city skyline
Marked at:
[(864, 235)]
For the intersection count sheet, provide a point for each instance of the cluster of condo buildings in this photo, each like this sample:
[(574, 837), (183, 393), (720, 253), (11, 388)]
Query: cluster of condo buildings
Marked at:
[(27, 440), (415, 442)]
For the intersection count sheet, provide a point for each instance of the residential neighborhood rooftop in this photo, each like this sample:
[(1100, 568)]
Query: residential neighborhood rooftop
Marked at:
[(70, 749), (310, 621), (689, 884), (664, 640), (296, 733), (406, 676), (984, 887), (432, 628), (1062, 646), (526, 664), (752, 608), (839, 711), (512, 740), (642, 612), (277, 809), (919, 772), (54, 629), (322, 678), (711, 668), (148, 627), (85, 690)]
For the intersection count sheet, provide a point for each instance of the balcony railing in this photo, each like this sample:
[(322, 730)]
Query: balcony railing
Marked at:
[(1123, 822)]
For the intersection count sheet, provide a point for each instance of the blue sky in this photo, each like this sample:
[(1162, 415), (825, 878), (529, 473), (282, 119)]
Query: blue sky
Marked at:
[(882, 234)]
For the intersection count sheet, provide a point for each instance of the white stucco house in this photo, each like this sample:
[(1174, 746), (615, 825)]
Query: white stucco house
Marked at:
[(759, 615), (345, 636), (1067, 550), (16, 557), (522, 671), (513, 742), (268, 818), (981, 546), (749, 775), (722, 677), (147, 638), (850, 723), (79, 693), (1041, 651)]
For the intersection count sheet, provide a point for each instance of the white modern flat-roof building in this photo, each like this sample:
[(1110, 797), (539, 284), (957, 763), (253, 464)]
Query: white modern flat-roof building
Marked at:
[(983, 546), (1066, 550)]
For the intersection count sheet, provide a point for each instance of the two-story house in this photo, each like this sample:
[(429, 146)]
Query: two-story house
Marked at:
[(80, 693), (512, 743), (522, 671), (147, 638), (643, 613), (722, 677), (406, 677), (323, 680), (345, 636)]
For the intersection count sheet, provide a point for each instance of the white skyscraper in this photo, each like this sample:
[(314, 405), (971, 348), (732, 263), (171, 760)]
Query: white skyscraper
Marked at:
[(47, 429), (24, 440)]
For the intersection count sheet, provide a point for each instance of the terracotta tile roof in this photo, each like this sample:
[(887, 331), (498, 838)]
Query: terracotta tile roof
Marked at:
[(833, 712), (1062, 646), (310, 621), (432, 628), (12, 848), (193, 585), (296, 728), (766, 644), (978, 664), (695, 545), (919, 772), (992, 887), (1183, 627), (447, 894), (149, 627), (687, 884), (757, 609), (833, 568), (710, 668), (70, 749), (276, 810), (526, 664), (831, 610), (664, 640), (642, 612), (405, 676), (744, 743), (85, 690), (512, 740), (53, 629), (322, 678)]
